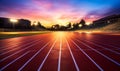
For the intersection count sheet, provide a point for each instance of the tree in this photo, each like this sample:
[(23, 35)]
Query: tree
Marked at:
[(55, 27), (76, 26), (39, 25), (83, 23), (69, 25)]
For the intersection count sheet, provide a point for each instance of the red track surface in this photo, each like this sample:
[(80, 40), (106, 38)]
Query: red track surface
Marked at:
[(61, 51)]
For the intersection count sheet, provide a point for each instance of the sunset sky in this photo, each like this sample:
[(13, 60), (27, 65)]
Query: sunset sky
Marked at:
[(50, 12)]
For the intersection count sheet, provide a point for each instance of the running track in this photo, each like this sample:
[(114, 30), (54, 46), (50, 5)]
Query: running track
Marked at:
[(61, 51)]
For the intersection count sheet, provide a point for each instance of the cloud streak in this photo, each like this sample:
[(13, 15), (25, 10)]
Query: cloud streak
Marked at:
[(51, 12)]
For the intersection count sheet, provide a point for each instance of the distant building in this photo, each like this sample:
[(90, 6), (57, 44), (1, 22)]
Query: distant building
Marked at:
[(5, 23), (21, 24), (118, 20), (106, 20)]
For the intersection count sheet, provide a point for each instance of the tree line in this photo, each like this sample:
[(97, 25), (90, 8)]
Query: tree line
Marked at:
[(24, 24), (19, 24)]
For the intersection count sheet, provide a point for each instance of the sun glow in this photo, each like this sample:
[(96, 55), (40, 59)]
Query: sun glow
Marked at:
[(61, 34)]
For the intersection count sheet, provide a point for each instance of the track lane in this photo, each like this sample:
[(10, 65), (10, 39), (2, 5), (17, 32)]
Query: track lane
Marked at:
[(37, 60), (89, 65), (67, 63), (103, 49), (104, 61), (101, 38), (70, 52), (76, 65), (19, 41), (43, 65)]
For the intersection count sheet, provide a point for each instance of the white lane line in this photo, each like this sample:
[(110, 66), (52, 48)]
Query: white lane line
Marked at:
[(60, 51), (16, 44), (88, 56), (77, 68), (33, 56), (46, 56), (21, 50), (107, 45), (99, 53), (103, 47), (9, 41), (8, 51), (7, 44), (14, 61), (12, 45), (15, 48), (6, 48)]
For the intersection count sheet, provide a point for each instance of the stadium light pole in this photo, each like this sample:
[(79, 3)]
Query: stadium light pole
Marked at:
[(80, 25), (13, 21)]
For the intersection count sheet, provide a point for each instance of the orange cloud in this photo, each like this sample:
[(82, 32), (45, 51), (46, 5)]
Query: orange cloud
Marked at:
[(49, 13)]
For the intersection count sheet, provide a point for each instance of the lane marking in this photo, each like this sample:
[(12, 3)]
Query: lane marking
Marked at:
[(106, 44), (8, 42), (103, 47), (60, 52), (8, 51), (14, 61), (77, 68), (111, 45), (88, 56), (12, 45), (40, 67), (99, 53), (17, 48), (33, 57), (21, 50), (16, 44)]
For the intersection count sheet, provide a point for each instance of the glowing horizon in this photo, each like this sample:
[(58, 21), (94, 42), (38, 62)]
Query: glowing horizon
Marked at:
[(50, 12)]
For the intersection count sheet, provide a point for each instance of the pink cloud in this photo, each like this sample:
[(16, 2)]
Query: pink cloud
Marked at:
[(48, 12), (43, 4)]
